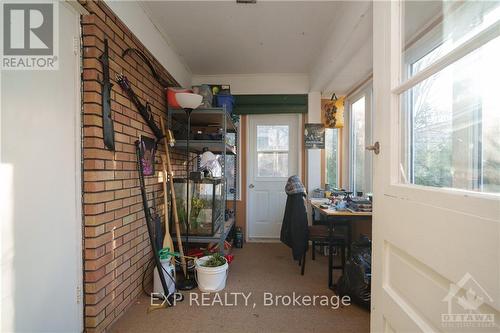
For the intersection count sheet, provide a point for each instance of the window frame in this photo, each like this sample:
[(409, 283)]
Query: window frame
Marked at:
[(364, 91), (338, 159), (280, 151), (402, 80)]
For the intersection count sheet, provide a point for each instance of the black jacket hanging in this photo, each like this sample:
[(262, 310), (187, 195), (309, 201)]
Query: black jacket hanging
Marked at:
[(294, 230)]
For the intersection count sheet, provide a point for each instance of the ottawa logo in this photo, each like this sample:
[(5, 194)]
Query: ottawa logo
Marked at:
[(465, 299)]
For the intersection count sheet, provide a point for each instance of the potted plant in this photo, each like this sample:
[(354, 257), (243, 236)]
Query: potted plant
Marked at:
[(211, 272)]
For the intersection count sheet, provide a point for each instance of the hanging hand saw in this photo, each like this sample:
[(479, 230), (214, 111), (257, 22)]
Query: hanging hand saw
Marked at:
[(107, 121)]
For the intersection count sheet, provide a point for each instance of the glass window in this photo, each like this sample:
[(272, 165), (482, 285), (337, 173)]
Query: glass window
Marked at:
[(232, 182), (451, 120), (434, 28), (358, 144), (272, 150), (331, 154)]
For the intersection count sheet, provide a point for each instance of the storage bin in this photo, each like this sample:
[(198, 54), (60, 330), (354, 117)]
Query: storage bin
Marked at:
[(226, 101)]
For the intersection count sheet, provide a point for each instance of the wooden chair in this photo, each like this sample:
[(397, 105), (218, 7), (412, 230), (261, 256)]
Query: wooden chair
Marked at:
[(318, 235)]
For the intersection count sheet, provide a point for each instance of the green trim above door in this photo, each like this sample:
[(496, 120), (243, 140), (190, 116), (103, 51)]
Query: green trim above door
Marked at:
[(270, 104)]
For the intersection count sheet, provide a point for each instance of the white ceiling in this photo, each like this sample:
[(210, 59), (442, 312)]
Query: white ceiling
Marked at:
[(224, 37)]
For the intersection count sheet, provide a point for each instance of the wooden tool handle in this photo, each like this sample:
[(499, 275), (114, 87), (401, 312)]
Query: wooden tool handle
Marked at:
[(174, 202)]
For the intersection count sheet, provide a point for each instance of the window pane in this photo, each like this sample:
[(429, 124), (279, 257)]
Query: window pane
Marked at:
[(331, 152), (272, 138), (453, 124), (272, 164), (434, 28), (358, 147)]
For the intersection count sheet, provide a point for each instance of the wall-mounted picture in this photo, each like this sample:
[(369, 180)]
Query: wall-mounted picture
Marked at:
[(147, 149), (314, 136)]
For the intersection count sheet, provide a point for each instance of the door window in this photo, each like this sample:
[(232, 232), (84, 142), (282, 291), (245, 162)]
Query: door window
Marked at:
[(272, 150), (450, 119)]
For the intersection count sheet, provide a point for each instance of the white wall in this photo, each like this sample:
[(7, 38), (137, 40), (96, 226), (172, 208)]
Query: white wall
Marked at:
[(314, 155), (40, 192), (248, 84), (136, 19), (346, 57)]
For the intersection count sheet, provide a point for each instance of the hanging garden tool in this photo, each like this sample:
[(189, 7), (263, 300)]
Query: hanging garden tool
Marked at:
[(144, 110), (107, 121), (144, 157), (174, 201)]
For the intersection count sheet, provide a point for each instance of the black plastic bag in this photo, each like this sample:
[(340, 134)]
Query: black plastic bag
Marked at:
[(356, 280)]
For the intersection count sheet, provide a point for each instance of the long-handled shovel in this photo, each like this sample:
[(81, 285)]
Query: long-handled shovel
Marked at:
[(174, 202)]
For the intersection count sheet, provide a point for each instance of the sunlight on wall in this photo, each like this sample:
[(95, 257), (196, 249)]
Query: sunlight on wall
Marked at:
[(7, 285)]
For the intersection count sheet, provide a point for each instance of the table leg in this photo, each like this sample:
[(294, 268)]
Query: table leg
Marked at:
[(349, 238), (330, 254)]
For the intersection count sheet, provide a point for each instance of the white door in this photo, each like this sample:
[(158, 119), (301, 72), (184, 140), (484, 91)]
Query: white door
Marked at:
[(436, 222), (273, 156), (40, 192)]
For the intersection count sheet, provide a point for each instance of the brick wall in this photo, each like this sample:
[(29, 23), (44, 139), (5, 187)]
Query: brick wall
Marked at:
[(116, 243)]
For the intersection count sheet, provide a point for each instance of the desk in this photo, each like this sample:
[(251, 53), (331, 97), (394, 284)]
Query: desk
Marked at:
[(331, 218)]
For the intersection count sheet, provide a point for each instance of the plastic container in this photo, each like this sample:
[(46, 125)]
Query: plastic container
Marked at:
[(172, 101), (210, 279), (226, 101), (204, 90), (168, 267)]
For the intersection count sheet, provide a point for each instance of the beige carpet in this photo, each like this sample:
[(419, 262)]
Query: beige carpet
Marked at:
[(257, 268)]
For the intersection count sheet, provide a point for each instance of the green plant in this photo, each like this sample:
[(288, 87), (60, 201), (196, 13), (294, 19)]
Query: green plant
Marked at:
[(215, 260), (197, 205)]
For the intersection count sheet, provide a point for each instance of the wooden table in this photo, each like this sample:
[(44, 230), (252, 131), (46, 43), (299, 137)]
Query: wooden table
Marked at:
[(332, 218)]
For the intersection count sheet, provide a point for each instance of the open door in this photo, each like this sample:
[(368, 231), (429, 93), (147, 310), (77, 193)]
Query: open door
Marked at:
[(436, 221)]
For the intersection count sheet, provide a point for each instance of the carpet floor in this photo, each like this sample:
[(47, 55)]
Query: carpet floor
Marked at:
[(261, 269)]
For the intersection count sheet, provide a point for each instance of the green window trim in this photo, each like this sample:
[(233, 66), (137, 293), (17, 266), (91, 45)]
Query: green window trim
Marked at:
[(270, 104)]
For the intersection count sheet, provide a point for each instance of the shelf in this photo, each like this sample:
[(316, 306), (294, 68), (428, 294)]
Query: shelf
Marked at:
[(205, 118), (223, 231), (216, 147)]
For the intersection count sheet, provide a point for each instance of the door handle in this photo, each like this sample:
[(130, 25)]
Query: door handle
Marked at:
[(375, 148), (251, 186)]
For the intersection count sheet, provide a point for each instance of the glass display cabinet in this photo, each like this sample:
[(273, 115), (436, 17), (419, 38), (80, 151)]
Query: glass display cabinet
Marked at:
[(206, 206)]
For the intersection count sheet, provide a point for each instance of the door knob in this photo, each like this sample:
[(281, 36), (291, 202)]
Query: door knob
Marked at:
[(375, 148), (251, 186)]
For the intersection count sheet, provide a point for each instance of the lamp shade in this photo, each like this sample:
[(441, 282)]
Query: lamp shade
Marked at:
[(188, 100)]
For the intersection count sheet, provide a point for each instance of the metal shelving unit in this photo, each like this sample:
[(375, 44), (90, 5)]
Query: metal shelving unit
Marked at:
[(212, 118)]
